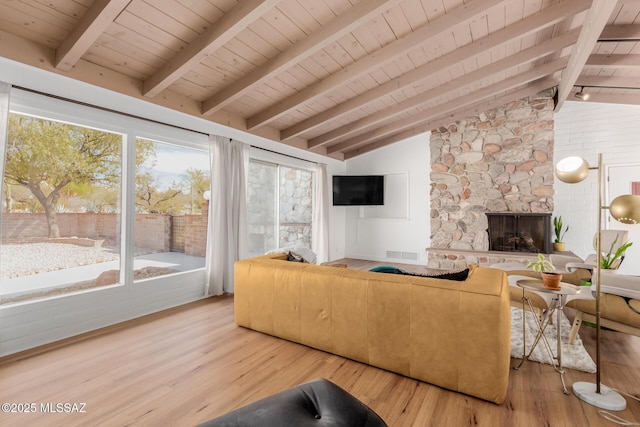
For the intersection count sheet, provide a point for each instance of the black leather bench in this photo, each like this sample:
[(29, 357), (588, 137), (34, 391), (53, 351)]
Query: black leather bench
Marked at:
[(316, 403)]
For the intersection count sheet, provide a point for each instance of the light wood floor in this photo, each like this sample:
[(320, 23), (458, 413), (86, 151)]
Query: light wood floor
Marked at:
[(189, 364)]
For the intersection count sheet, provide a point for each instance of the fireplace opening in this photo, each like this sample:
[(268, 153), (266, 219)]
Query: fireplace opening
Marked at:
[(519, 232)]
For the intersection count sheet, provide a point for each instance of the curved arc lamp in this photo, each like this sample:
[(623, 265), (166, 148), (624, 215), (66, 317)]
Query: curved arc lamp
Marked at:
[(625, 209)]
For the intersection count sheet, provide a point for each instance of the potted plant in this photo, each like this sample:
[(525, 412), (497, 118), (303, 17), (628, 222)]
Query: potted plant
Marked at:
[(545, 267), (610, 260), (558, 244)]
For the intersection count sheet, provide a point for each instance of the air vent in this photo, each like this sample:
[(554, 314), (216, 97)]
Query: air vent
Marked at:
[(410, 255), (394, 254)]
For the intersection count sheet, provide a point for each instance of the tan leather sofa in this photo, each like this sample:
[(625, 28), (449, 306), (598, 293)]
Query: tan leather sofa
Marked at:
[(452, 334)]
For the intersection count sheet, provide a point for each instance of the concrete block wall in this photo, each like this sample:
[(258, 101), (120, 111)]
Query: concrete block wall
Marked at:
[(195, 233), (152, 231)]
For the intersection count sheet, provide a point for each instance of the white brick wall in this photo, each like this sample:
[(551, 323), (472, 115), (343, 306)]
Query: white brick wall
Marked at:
[(586, 129)]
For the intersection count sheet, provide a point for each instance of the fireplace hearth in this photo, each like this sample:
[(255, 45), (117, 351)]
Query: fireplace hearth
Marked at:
[(519, 232)]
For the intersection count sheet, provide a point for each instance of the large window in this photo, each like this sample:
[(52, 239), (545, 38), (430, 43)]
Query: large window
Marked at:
[(65, 208), (60, 208), (171, 210), (279, 204)]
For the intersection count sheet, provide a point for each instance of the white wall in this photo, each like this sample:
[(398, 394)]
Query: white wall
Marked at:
[(371, 238), (586, 129)]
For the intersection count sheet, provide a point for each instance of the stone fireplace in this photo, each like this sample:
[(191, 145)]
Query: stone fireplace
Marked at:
[(499, 161), (519, 232)]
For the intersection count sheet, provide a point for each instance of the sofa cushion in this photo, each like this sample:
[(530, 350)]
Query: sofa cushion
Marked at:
[(384, 269), (460, 276), (307, 254), (299, 251), (294, 257)]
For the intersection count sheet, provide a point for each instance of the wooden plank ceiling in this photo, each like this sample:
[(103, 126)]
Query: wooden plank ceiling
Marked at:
[(337, 77)]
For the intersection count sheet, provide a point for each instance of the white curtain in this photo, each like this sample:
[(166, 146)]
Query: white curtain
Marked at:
[(5, 91), (227, 231), (320, 230)]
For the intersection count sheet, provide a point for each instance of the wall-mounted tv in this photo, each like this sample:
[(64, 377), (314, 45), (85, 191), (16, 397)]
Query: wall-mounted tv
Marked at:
[(358, 190)]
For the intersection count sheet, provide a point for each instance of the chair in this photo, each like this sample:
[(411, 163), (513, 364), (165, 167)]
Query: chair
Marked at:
[(540, 301), (611, 241), (619, 304)]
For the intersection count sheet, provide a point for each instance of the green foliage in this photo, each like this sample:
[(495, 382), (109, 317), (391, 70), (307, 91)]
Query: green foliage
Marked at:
[(195, 182), (149, 199), (47, 156), (608, 261), (557, 226), (182, 195), (541, 264), (55, 167)]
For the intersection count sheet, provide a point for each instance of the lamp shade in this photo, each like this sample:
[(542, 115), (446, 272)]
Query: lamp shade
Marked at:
[(626, 209), (572, 169)]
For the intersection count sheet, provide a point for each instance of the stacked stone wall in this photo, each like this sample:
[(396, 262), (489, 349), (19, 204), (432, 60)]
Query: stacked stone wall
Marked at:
[(498, 161), (295, 202), (295, 207)]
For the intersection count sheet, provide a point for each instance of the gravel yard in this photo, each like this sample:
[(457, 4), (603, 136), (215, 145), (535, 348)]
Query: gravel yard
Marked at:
[(23, 259)]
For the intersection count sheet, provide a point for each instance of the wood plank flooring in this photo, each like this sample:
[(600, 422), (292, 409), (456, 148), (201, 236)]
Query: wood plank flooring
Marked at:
[(192, 363)]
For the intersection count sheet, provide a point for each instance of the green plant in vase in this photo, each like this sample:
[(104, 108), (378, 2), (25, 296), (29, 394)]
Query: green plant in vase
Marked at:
[(545, 267), (610, 260), (558, 243)]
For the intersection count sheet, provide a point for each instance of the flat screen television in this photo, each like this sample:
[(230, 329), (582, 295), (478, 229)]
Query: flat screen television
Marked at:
[(358, 190)]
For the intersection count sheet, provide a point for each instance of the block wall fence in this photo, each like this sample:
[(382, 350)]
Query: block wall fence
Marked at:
[(152, 231)]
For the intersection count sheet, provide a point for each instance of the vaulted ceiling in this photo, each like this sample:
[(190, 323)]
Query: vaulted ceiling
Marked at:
[(336, 77)]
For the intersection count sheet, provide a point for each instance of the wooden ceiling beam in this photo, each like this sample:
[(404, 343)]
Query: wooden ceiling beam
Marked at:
[(216, 36), (530, 90), (375, 60), (612, 98), (475, 77), (344, 23), (92, 24), (620, 33), (592, 27), (611, 82), (455, 104), (613, 61), (528, 26)]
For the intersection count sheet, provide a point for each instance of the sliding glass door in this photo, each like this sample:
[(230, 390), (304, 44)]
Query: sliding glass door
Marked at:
[(279, 205)]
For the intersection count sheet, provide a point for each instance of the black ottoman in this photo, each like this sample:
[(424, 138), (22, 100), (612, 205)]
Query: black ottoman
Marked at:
[(316, 403)]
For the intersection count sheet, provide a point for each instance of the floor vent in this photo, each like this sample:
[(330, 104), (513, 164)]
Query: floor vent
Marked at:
[(410, 255), (394, 254)]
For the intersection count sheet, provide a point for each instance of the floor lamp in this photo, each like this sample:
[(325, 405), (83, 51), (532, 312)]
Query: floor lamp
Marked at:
[(625, 209)]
